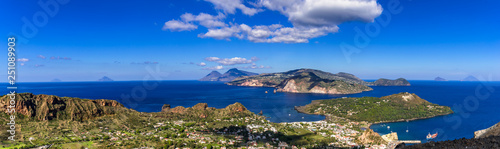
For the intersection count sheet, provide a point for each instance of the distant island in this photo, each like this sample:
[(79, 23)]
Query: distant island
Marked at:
[(56, 80), (392, 108), (105, 79), (230, 75), (470, 78), (314, 81), (387, 82), (440, 79)]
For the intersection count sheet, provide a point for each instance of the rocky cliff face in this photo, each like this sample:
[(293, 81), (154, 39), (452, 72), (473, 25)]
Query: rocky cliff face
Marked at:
[(309, 82), (387, 82), (370, 137), (48, 107), (202, 110), (488, 132)]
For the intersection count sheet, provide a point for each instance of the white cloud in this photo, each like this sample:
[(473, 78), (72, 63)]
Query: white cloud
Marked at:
[(230, 6), (22, 60), (201, 64), (234, 61), (41, 56), (310, 19), (204, 19), (212, 59), (214, 68), (175, 25), (325, 12), (231, 61), (270, 34)]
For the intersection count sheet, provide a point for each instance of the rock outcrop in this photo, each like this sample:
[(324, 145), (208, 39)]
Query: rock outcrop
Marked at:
[(491, 131), (370, 137), (48, 107)]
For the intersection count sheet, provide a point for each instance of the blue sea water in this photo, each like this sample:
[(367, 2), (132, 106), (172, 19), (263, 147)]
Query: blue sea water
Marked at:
[(476, 104)]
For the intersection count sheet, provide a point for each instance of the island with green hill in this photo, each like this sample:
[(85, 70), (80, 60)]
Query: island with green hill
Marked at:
[(392, 108)]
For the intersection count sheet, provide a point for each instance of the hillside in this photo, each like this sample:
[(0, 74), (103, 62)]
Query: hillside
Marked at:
[(396, 107), (230, 75), (212, 76), (309, 82), (306, 81), (65, 122)]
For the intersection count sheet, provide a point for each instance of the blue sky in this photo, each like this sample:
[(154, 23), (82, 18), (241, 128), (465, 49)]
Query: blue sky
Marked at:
[(86, 40)]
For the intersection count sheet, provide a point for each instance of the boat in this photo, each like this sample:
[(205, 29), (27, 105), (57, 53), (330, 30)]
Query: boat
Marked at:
[(406, 128), (433, 136), (388, 127), (275, 91), (266, 92)]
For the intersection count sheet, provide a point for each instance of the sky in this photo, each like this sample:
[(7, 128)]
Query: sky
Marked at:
[(74, 40)]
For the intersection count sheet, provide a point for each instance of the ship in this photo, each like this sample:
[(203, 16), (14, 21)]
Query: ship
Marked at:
[(433, 136)]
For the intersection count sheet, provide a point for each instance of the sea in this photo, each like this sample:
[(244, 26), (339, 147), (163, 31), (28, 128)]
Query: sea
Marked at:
[(476, 104)]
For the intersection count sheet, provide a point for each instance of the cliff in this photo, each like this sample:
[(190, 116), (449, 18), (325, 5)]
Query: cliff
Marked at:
[(49, 107), (308, 82), (491, 131), (387, 82)]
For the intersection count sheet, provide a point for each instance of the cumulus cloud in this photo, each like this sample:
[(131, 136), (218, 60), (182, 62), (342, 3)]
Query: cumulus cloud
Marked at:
[(231, 61), (22, 60), (212, 59), (310, 19), (230, 6), (214, 68), (175, 25), (270, 34), (205, 20), (325, 12)]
